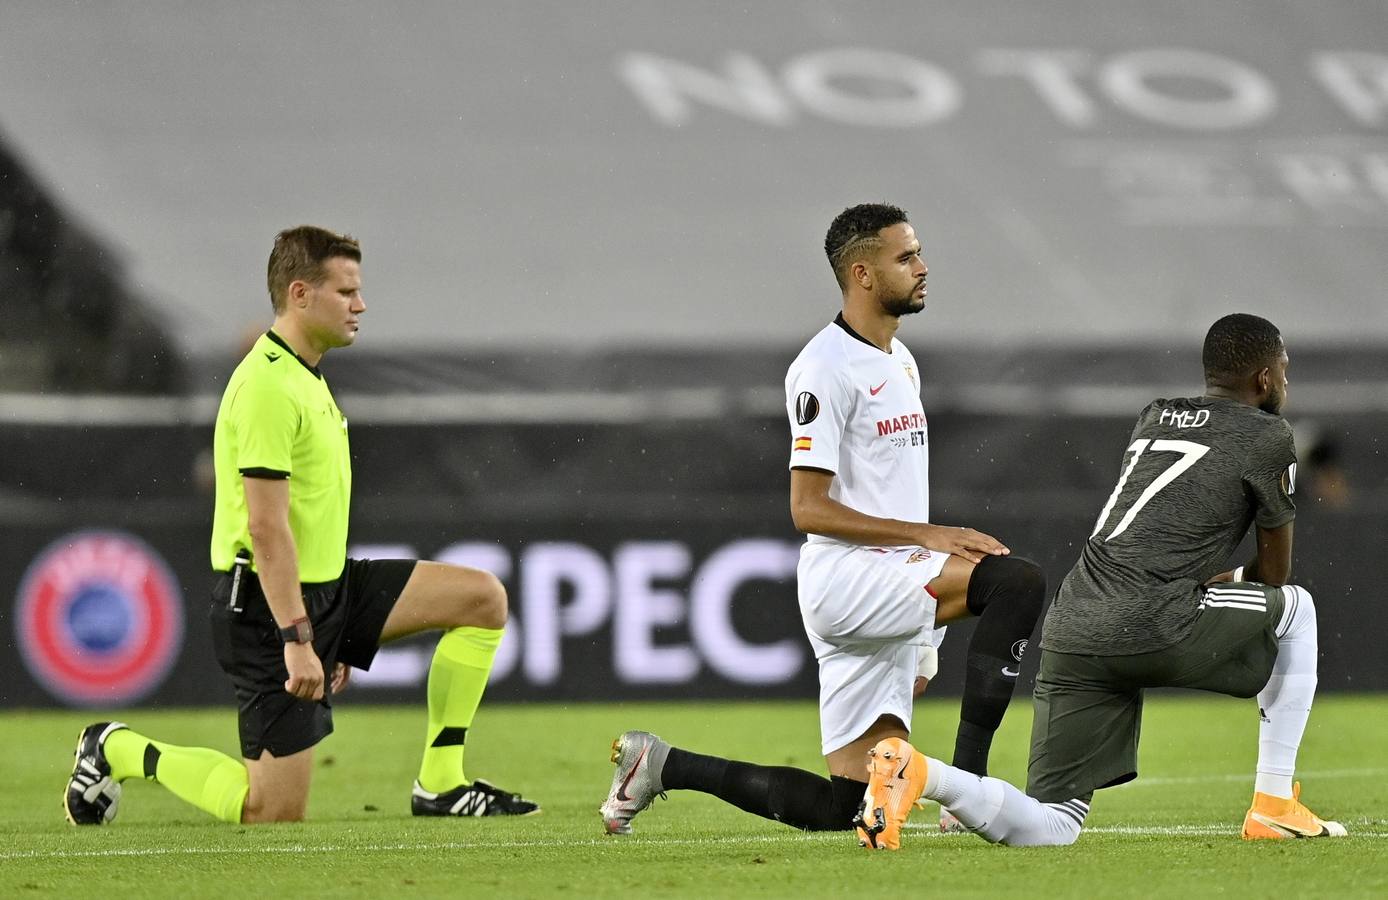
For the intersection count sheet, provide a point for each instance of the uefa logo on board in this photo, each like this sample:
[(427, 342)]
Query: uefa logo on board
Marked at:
[(99, 618)]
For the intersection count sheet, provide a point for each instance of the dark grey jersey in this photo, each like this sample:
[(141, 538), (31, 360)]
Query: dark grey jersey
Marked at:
[(1197, 472)]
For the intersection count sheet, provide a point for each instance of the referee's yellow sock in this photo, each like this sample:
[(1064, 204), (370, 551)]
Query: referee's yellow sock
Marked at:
[(457, 677), (212, 781)]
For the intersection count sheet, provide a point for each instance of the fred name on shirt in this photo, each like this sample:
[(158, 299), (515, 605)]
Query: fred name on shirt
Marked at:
[(1184, 418)]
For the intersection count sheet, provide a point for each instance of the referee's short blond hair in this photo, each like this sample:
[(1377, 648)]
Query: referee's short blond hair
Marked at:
[(299, 254)]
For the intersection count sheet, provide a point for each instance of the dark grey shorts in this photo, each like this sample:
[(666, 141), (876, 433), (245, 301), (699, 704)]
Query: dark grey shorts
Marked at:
[(1088, 709)]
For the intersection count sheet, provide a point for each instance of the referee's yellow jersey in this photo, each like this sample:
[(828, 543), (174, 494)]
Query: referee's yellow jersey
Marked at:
[(278, 420)]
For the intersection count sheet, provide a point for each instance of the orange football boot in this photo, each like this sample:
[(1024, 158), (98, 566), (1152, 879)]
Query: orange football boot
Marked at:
[(1280, 818), (896, 778)]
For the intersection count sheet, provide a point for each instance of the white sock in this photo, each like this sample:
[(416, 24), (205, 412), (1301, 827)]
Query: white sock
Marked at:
[(999, 813), (1285, 703)]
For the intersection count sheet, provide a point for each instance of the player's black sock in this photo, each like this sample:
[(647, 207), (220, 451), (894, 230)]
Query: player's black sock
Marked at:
[(798, 798), (1006, 593)]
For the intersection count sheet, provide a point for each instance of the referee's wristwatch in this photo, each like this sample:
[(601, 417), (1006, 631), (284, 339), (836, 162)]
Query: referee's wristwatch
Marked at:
[(300, 631)]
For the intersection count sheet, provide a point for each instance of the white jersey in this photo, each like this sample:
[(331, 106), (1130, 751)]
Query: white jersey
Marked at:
[(856, 411)]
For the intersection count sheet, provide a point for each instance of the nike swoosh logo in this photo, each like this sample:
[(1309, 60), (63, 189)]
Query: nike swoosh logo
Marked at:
[(1286, 828), (272, 356), (904, 767), (622, 794), (874, 391), (1009, 673)]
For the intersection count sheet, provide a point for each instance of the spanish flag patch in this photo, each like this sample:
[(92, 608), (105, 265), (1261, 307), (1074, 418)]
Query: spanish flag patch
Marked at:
[(802, 443)]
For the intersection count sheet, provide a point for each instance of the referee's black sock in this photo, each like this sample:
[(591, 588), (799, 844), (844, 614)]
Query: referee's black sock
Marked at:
[(1006, 593), (798, 798)]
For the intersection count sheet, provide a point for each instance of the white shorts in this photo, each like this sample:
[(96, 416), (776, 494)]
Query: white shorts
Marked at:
[(868, 615)]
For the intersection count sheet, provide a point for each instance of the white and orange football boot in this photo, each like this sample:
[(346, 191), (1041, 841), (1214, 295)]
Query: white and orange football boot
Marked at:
[(896, 778), (1280, 818)]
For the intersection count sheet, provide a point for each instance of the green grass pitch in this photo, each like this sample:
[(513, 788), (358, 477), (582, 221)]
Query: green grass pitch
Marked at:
[(1172, 833)]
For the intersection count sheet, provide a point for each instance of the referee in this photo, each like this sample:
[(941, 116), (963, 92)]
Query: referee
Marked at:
[(288, 606)]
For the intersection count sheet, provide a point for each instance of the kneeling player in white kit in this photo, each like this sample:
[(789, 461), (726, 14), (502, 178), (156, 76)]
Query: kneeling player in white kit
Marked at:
[(876, 580)]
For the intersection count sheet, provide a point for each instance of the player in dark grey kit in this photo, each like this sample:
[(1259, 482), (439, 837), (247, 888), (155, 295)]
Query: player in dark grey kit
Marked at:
[(1147, 606)]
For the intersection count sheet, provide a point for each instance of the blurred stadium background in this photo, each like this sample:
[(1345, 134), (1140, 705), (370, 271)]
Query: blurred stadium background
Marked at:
[(591, 238)]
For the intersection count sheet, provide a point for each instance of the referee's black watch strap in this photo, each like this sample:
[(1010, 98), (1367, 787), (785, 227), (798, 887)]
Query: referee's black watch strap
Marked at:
[(300, 631)]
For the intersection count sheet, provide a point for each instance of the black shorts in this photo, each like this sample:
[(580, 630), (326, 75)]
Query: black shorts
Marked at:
[(347, 615)]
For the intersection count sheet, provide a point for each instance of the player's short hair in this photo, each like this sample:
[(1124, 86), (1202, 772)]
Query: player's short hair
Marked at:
[(1237, 346), (299, 254), (853, 234)]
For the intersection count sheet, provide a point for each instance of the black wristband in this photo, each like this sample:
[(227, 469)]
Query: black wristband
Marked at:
[(300, 631)]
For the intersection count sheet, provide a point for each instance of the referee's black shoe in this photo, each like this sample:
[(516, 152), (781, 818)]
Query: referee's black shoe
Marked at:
[(92, 798), (476, 799)]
